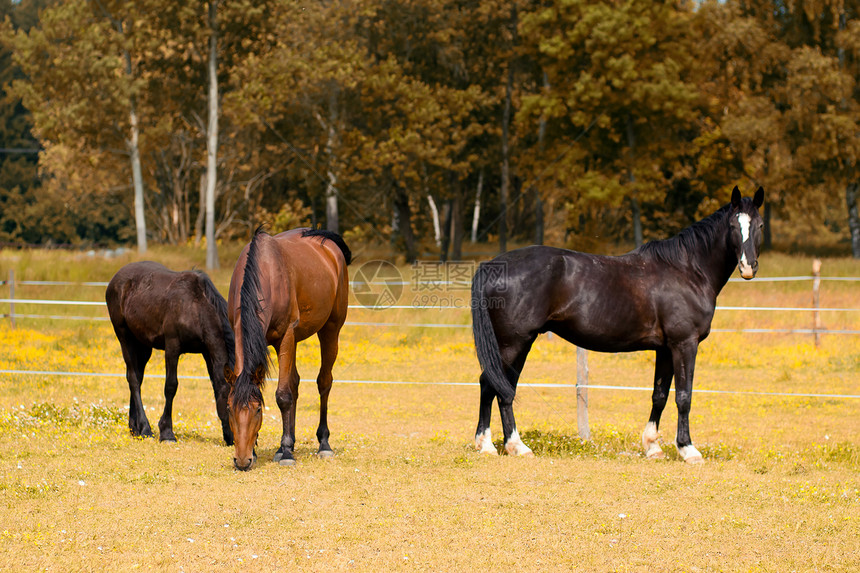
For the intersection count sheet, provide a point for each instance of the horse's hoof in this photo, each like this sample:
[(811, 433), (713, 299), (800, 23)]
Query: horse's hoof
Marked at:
[(287, 462), (658, 455), (695, 460), (171, 439), (325, 454)]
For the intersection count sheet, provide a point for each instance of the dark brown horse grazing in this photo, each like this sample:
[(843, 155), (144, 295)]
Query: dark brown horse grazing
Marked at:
[(284, 289), (150, 307), (659, 297)]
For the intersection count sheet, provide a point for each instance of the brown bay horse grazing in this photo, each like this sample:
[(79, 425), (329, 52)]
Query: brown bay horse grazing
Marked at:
[(658, 297), (150, 307), (285, 288)]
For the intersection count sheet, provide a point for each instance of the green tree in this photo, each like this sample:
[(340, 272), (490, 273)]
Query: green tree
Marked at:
[(622, 120)]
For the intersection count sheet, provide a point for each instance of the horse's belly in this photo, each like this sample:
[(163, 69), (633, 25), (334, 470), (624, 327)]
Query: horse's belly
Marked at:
[(602, 340)]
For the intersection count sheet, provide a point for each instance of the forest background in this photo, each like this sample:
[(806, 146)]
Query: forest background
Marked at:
[(425, 124)]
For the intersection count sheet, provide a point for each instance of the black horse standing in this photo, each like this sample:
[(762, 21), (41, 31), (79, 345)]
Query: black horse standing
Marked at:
[(150, 307), (659, 297)]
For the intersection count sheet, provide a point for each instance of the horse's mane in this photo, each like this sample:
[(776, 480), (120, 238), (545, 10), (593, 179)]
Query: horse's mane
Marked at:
[(255, 366), (332, 236), (696, 239), (217, 301)]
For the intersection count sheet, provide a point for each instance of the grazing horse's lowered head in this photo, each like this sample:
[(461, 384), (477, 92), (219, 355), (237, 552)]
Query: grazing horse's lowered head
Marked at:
[(746, 235), (245, 412)]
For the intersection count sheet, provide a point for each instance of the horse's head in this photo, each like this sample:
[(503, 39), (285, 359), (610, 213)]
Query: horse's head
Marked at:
[(746, 231), (245, 410)]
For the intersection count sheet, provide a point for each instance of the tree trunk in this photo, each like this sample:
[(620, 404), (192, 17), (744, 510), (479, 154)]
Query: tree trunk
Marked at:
[(404, 223), (434, 215), (851, 193), (201, 211), (332, 218), (456, 228), (476, 214), (506, 176), (635, 211), (637, 221), (767, 236), (504, 191), (446, 231), (212, 140), (137, 181)]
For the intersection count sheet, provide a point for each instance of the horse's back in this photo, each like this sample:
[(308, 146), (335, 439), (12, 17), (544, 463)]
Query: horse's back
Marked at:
[(155, 303), (303, 280), (598, 302)]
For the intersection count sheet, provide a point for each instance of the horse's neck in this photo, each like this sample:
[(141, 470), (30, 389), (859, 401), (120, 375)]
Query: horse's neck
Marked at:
[(719, 265)]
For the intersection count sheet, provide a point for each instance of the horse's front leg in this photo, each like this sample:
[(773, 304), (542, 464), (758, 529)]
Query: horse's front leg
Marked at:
[(663, 373), (286, 396), (684, 363), (171, 384)]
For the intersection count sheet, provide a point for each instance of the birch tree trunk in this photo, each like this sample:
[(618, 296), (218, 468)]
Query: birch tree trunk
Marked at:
[(476, 214), (212, 140), (434, 212), (137, 177)]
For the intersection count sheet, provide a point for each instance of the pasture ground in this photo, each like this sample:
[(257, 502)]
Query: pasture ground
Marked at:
[(780, 489)]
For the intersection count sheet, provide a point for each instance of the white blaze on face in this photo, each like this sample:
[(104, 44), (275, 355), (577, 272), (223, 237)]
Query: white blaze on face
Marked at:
[(744, 222)]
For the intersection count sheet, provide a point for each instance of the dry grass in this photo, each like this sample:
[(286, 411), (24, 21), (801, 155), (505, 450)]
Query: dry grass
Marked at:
[(780, 490)]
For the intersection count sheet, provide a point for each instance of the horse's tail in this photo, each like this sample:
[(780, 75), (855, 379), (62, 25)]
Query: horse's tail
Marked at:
[(332, 236), (255, 355), (220, 305), (486, 344)]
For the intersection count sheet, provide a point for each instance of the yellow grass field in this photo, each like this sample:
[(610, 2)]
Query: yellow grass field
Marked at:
[(780, 489)]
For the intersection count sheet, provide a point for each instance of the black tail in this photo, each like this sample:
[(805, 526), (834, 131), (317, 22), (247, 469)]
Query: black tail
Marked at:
[(332, 236), (486, 344), (255, 350)]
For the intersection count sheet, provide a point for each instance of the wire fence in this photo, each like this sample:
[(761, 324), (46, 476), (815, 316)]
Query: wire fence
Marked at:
[(582, 386), (815, 329)]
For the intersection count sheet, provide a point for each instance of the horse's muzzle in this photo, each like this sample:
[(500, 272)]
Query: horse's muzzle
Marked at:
[(748, 271), (247, 465)]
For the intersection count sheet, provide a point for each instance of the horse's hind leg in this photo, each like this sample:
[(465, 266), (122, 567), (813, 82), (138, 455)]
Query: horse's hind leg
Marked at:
[(328, 337), (171, 384), (136, 356), (514, 355), (483, 436), (663, 372)]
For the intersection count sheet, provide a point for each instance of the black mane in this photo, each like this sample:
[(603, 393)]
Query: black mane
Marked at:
[(689, 244), (217, 301), (255, 349)]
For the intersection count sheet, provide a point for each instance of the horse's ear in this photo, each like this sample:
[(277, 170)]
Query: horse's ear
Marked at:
[(758, 199), (736, 197)]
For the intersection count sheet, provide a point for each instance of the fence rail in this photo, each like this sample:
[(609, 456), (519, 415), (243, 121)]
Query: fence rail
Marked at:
[(582, 386)]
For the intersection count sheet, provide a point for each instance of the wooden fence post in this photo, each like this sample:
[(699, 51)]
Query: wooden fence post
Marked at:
[(582, 393), (12, 297), (816, 315)]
